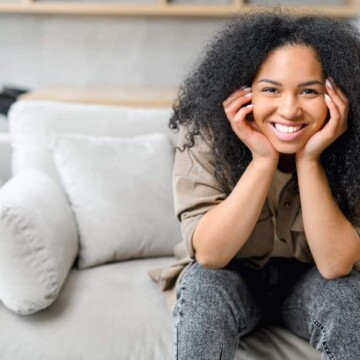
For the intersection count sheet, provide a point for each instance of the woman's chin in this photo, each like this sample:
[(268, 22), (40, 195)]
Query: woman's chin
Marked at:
[(287, 149)]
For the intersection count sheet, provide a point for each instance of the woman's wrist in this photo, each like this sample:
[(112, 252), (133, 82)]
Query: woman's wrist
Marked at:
[(307, 162), (266, 163)]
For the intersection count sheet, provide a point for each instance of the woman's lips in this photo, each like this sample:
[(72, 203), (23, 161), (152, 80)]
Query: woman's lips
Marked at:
[(287, 133)]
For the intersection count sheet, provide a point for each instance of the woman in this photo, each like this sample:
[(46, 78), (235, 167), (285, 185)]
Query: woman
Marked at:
[(267, 186)]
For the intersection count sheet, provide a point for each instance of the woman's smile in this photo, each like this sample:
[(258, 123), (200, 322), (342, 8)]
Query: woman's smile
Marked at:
[(287, 132)]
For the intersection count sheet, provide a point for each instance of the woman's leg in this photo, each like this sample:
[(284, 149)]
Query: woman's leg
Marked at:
[(326, 312), (213, 309)]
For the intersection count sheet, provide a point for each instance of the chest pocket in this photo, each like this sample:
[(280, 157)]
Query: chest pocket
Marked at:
[(259, 245), (290, 225)]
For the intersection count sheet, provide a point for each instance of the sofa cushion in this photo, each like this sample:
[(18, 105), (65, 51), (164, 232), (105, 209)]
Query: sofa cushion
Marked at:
[(115, 312), (31, 122), (120, 191), (38, 242), (5, 157)]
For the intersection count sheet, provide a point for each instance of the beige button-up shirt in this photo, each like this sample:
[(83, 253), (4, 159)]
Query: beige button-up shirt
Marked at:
[(196, 191), (279, 230)]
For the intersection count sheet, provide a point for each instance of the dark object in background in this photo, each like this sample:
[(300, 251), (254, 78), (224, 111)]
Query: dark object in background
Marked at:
[(9, 95)]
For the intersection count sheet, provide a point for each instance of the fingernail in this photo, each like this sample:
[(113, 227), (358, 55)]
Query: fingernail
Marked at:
[(249, 106), (247, 89), (327, 98), (328, 84), (248, 95)]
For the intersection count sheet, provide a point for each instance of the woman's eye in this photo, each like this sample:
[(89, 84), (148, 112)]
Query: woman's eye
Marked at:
[(269, 90), (309, 92)]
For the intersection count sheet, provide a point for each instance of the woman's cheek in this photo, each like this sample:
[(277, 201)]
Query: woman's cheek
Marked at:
[(323, 115)]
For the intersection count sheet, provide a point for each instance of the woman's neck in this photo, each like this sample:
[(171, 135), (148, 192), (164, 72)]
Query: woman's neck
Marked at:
[(286, 163)]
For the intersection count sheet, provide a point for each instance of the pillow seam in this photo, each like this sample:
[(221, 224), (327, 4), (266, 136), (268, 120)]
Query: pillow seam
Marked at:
[(20, 224)]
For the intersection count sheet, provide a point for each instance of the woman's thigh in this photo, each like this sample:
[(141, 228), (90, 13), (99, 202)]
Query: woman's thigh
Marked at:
[(325, 312), (213, 309)]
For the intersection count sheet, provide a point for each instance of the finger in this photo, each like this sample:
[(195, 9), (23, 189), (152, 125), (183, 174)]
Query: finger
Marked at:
[(232, 110), (240, 92), (236, 104), (339, 97), (236, 95), (330, 84), (341, 104), (240, 125), (334, 111), (240, 116), (335, 122)]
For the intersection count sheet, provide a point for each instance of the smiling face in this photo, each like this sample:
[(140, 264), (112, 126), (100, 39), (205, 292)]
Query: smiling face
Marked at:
[(288, 97)]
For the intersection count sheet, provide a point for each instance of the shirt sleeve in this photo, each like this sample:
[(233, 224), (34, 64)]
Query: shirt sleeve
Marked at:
[(195, 187)]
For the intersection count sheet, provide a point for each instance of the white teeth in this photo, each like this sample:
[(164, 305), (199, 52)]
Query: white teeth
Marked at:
[(287, 129)]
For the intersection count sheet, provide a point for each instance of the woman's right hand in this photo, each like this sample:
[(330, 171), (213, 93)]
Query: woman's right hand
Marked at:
[(246, 130)]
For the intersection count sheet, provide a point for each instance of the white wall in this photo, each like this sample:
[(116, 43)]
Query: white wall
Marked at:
[(38, 51)]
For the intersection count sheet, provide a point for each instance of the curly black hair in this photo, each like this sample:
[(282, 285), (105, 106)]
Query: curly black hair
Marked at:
[(233, 58)]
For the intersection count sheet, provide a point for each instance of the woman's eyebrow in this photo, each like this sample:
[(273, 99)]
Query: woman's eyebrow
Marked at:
[(306, 83), (312, 82), (269, 81)]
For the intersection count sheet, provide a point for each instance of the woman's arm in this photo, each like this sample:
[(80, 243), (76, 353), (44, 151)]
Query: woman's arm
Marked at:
[(334, 242), (224, 229)]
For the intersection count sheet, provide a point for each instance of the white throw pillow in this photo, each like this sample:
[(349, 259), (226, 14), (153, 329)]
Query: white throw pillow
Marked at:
[(38, 242), (120, 190)]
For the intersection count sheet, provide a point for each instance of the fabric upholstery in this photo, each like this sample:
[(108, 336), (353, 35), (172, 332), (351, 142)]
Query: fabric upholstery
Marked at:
[(38, 242), (31, 123), (120, 191), (5, 157), (114, 312)]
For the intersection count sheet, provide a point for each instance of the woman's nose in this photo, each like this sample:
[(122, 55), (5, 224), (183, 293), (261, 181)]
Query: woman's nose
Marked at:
[(289, 108)]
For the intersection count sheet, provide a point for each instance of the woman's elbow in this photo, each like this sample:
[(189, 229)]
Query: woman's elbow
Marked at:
[(331, 274), (209, 262)]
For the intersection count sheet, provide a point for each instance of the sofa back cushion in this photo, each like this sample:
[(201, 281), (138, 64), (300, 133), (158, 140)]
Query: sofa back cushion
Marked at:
[(5, 157), (31, 123)]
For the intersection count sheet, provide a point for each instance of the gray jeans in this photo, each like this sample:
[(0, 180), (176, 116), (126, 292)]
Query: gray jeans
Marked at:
[(215, 308)]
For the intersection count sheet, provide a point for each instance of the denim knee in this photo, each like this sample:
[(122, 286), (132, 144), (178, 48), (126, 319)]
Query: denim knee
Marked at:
[(327, 313), (213, 309)]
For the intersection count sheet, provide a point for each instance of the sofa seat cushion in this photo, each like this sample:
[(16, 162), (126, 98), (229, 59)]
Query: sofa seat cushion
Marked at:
[(116, 312)]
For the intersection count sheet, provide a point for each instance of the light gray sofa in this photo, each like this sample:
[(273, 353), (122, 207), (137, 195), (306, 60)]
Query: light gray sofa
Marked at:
[(97, 307)]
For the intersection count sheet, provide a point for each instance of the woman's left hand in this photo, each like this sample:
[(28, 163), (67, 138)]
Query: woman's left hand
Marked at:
[(338, 106)]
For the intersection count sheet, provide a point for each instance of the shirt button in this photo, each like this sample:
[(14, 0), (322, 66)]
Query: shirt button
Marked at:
[(287, 204)]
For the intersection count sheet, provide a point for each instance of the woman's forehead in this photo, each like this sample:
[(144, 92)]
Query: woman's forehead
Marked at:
[(291, 63)]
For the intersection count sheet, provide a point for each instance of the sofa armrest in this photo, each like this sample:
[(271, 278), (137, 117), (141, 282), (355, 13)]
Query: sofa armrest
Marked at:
[(5, 157), (38, 241)]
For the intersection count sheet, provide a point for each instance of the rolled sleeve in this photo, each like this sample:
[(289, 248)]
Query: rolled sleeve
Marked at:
[(195, 187)]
